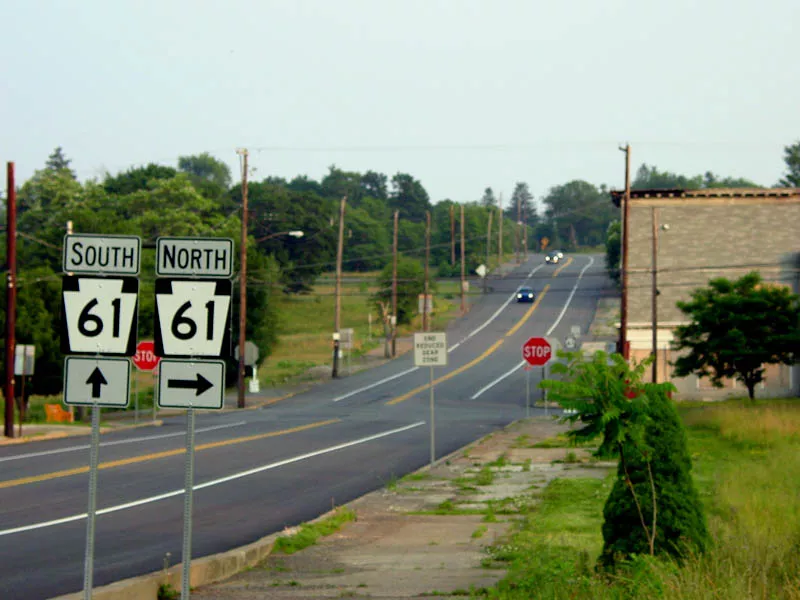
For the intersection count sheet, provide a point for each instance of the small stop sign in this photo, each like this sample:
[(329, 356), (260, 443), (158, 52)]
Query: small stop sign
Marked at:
[(145, 358), (537, 351)]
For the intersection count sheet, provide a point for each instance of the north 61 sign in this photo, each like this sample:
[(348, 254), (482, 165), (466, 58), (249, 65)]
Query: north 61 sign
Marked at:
[(192, 317)]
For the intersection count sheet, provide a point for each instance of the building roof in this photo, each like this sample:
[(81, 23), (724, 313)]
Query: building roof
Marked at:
[(617, 195)]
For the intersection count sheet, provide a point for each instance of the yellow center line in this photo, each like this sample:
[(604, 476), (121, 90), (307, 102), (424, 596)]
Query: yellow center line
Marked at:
[(562, 267), (474, 362), (525, 317), (156, 455)]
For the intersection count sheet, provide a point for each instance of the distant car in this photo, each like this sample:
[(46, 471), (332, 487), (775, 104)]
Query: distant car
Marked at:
[(525, 294), (552, 257), (560, 253)]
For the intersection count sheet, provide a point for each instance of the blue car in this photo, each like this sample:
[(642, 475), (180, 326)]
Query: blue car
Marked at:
[(525, 294)]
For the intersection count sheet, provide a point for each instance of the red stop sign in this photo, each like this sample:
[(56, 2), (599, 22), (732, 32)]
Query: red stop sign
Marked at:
[(145, 358), (537, 351)]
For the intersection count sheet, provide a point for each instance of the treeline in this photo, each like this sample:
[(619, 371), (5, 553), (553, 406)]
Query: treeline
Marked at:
[(199, 198)]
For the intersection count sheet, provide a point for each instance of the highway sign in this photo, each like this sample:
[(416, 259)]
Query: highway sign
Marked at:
[(24, 359), (570, 343), (576, 331), (191, 384), (106, 254), (99, 315), (538, 351), (101, 381), (145, 358), (192, 317), (250, 353), (481, 270), (430, 349), (194, 257)]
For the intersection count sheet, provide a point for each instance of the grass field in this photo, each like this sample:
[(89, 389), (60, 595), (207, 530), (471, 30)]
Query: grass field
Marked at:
[(747, 468), (307, 324)]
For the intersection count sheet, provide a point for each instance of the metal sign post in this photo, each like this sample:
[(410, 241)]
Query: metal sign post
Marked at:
[(100, 308), (94, 451), (433, 424), (527, 390), (188, 501), (537, 352), (135, 400), (430, 350), (544, 391), (193, 315)]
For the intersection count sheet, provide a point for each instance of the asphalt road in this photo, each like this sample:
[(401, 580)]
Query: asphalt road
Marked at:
[(259, 471)]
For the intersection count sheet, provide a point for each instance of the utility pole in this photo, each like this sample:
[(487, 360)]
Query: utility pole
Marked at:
[(626, 201), (654, 215), (518, 236), (500, 233), (488, 245), (425, 304), (243, 281), (394, 286), (525, 231), (463, 270), (452, 236), (338, 306), (11, 297)]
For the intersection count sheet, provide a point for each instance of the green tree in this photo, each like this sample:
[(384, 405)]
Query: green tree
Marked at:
[(653, 507), (367, 243), (205, 168), (488, 200), (375, 185), (409, 197), (650, 178), (57, 162), (613, 250), (137, 178), (738, 327), (410, 284), (578, 214), (338, 183), (791, 156)]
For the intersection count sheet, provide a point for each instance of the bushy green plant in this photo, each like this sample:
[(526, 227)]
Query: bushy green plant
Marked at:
[(653, 507), (660, 466)]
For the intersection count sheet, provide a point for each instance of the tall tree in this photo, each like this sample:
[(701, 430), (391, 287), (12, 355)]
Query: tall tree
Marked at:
[(525, 198), (338, 183), (650, 178), (58, 162), (488, 199), (578, 214), (409, 197), (736, 328), (137, 178), (375, 185), (791, 156), (206, 167)]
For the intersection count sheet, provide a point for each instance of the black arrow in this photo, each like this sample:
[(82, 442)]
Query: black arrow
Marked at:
[(201, 384), (96, 379)]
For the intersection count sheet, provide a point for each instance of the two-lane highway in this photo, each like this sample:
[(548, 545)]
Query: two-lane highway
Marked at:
[(259, 471)]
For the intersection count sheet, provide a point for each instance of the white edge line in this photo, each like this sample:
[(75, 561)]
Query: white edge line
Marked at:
[(450, 349), (558, 320), (118, 442), (213, 482), (572, 293), (376, 384), (498, 380)]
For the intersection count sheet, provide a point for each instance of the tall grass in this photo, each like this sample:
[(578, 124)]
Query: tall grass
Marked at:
[(747, 468)]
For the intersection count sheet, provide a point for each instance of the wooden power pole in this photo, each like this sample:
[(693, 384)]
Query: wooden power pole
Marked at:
[(394, 285), (452, 236), (426, 306), (338, 300), (518, 236), (463, 268), (626, 201), (500, 232), (488, 250), (243, 282), (11, 298)]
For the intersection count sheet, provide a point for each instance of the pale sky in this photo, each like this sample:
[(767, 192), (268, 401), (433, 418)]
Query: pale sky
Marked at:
[(462, 94)]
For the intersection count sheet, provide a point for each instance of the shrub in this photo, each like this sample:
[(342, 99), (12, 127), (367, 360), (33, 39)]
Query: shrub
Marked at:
[(664, 466)]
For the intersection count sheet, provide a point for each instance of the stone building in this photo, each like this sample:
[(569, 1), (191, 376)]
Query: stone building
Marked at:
[(701, 235)]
